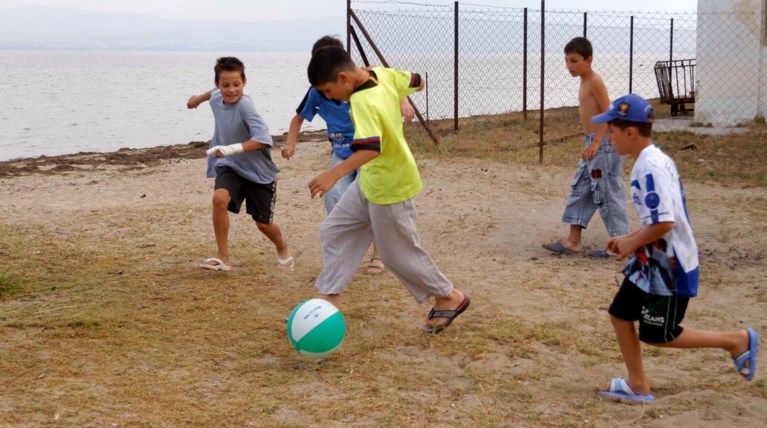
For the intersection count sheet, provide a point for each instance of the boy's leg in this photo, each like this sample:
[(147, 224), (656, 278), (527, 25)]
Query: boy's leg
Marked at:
[(227, 196), (631, 349), (394, 227), (333, 195), (221, 200), (579, 208), (606, 171), (273, 232), (345, 236), (261, 199), (735, 342), (375, 265), (625, 309)]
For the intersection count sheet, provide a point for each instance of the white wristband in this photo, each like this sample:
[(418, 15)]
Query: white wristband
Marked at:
[(226, 150)]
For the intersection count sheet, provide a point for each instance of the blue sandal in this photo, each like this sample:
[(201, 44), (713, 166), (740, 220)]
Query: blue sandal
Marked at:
[(619, 389), (748, 356)]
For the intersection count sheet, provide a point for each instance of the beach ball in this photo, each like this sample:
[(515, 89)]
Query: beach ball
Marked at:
[(316, 328)]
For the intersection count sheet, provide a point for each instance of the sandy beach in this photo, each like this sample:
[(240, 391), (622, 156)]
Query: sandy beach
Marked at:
[(143, 216)]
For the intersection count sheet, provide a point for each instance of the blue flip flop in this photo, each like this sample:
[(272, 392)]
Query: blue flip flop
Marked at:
[(748, 356), (558, 248), (619, 389)]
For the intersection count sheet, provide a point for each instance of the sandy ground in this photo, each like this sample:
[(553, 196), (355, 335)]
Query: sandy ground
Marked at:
[(483, 223)]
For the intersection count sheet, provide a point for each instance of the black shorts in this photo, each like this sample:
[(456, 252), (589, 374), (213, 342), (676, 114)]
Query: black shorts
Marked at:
[(659, 316), (260, 198)]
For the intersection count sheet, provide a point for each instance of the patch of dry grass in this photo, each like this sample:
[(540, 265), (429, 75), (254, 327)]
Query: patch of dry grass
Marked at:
[(115, 326)]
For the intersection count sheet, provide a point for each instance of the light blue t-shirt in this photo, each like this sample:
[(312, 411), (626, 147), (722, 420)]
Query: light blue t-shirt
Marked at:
[(237, 123), (335, 114)]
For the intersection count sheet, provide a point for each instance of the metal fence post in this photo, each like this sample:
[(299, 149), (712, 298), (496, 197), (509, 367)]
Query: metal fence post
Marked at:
[(585, 24), (524, 69), (671, 43), (455, 68), (427, 96), (348, 25), (543, 66), (631, 55)]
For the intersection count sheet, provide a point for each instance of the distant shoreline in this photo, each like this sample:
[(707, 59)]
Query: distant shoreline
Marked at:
[(130, 158)]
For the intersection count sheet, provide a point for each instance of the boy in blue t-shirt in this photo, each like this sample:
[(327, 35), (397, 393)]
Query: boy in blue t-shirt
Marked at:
[(662, 275), (340, 133), (239, 158)]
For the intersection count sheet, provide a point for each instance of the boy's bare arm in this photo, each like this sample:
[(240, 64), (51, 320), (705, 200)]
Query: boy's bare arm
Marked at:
[(232, 149), (323, 182), (295, 127), (196, 100), (602, 103)]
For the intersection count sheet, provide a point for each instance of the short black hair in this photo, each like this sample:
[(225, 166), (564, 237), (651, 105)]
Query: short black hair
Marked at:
[(229, 63), (326, 41), (644, 128), (326, 63), (581, 46)]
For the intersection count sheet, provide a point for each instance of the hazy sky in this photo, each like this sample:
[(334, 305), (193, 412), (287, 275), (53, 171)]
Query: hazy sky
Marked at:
[(262, 10)]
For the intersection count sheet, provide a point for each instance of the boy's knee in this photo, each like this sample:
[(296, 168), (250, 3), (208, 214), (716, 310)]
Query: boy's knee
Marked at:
[(263, 227), (220, 201)]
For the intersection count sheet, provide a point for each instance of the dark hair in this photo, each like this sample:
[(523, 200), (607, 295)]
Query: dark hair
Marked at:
[(326, 41), (644, 128), (229, 63), (581, 46), (326, 63)]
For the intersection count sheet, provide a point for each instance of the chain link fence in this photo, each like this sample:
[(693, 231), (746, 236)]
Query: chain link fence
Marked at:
[(503, 54)]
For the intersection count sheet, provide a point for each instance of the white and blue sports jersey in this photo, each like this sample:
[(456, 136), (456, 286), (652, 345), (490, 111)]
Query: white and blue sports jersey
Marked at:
[(658, 196)]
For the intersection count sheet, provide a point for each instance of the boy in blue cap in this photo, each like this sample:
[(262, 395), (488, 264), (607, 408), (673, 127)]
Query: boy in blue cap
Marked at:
[(662, 274)]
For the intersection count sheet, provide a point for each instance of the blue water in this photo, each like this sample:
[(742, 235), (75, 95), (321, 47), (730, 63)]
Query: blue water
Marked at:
[(68, 102)]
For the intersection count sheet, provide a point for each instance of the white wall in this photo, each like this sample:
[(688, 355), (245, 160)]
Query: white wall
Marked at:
[(730, 70)]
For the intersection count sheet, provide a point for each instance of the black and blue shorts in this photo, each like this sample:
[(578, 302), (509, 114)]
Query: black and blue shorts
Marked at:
[(659, 316)]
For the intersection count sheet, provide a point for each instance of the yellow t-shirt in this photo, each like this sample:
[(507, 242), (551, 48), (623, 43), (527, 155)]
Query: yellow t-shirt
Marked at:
[(393, 176)]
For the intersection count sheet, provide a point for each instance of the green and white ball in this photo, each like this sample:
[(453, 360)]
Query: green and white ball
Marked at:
[(316, 328)]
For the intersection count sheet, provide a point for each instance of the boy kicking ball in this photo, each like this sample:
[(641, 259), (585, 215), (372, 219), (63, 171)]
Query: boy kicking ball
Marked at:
[(662, 275)]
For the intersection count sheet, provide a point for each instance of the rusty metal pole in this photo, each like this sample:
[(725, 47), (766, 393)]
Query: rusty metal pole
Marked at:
[(455, 68), (543, 89), (631, 56), (348, 25), (524, 69)]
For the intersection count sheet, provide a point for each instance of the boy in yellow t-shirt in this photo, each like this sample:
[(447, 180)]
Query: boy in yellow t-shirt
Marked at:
[(379, 203)]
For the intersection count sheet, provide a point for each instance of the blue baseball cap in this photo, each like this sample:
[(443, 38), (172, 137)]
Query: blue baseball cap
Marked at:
[(631, 108)]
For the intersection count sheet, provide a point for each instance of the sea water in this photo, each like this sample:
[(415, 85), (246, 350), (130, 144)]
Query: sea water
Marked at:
[(69, 102)]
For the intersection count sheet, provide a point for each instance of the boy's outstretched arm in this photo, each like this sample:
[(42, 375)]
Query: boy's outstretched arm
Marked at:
[(626, 245), (323, 182), (295, 127), (232, 149), (196, 100)]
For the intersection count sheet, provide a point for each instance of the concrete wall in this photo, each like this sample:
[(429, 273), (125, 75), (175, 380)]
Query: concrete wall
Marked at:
[(731, 64)]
